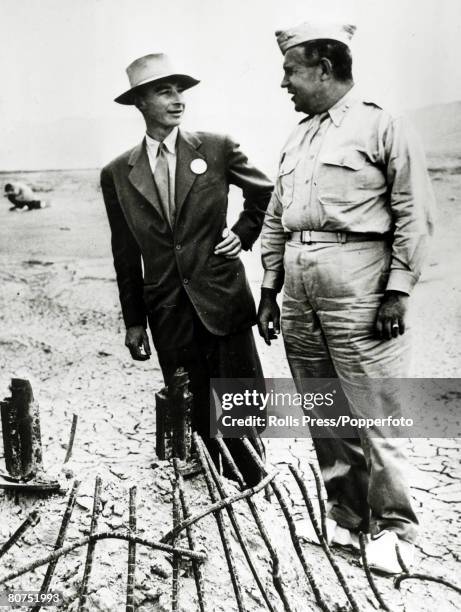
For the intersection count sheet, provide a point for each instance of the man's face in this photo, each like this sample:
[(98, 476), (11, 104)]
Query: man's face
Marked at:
[(303, 81), (162, 103)]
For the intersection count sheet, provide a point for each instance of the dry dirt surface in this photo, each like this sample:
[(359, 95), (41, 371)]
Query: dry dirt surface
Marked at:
[(60, 327)]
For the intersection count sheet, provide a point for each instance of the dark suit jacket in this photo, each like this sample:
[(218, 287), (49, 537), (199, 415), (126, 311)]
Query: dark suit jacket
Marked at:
[(180, 264)]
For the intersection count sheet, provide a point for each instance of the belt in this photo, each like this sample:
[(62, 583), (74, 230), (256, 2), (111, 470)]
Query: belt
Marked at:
[(309, 236)]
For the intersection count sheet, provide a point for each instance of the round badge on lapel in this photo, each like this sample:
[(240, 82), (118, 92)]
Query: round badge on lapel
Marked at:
[(198, 166)]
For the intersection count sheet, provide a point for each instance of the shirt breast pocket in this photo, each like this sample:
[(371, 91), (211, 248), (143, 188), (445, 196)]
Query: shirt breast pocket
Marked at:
[(347, 177), (286, 182)]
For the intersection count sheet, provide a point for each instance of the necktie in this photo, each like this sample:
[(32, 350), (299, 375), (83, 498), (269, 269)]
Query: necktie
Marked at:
[(162, 180)]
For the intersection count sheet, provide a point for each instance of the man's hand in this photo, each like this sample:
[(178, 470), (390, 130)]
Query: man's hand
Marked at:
[(390, 321), (137, 342), (268, 314), (230, 247)]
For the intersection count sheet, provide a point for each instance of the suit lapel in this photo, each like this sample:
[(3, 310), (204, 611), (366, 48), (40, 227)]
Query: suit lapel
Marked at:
[(187, 151), (141, 176)]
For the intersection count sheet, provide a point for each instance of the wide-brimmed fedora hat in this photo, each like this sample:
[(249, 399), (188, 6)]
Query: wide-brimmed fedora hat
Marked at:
[(150, 68)]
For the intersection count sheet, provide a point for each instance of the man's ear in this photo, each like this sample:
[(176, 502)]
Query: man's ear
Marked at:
[(326, 68)]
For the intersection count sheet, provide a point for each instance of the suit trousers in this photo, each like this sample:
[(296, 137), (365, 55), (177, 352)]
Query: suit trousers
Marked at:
[(331, 296), (204, 355)]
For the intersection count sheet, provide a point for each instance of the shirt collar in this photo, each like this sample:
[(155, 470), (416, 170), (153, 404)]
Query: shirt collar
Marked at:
[(169, 142), (339, 109)]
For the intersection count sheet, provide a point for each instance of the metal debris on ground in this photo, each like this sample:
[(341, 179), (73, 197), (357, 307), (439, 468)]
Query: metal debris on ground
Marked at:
[(83, 593), (130, 606), (292, 528), (222, 507), (196, 567), (222, 527), (22, 441), (369, 575), (173, 418), (59, 541), (30, 521), (320, 535), (276, 575), (70, 444), (437, 579)]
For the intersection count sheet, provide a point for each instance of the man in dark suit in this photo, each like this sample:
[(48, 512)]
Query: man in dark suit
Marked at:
[(176, 261)]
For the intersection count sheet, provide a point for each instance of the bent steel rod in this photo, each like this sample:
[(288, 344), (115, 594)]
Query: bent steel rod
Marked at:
[(176, 558), (70, 444), (324, 544), (237, 530), (106, 535), (59, 541), (196, 567), (31, 519), (219, 505), (321, 501), (402, 563), (130, 606), (369, 575), (291, 526), (429, 578), (222, 527), (83, 595), (276, 577)]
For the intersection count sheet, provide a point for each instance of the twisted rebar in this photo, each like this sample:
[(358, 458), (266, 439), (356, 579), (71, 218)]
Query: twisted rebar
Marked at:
[(83, 595), (130, 581), (222, 527), (292, 528), (276, 576), (59, 541), (237, 530), (323, 542), (427, 577), (219, 505), (176, 558), (196, 567), (320, 500), (369, 575), (70, 444), (106, 535), (31, 520)]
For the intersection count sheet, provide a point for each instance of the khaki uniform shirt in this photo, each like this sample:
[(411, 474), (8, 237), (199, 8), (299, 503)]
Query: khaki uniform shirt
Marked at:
[(354, 168)]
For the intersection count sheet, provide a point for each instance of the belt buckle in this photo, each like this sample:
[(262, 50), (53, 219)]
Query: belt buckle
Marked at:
[(306, 236), (341, 237)]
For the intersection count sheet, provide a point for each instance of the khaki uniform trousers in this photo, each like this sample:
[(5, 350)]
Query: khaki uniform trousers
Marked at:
[(331, 296)]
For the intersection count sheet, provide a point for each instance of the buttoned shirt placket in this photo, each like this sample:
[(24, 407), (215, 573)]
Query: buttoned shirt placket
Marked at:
[(307, 170)]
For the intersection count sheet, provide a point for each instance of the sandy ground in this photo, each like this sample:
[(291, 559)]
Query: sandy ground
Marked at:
[(60, 327)]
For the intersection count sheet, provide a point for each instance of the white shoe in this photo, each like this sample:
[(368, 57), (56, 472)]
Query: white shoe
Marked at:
[(382, 553), (336, 535)]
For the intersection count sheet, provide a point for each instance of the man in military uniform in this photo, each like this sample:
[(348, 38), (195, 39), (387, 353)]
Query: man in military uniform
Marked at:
[(177, 263), (346, 232)]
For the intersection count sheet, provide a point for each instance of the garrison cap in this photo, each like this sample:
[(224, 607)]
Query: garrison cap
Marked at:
[(310, 30)]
